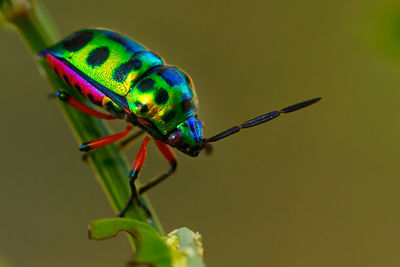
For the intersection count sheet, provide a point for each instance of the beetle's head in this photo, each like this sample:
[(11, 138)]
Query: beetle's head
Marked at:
[(188, 137)]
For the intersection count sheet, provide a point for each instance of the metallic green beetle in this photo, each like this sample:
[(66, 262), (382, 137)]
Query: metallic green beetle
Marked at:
[(135, 84)]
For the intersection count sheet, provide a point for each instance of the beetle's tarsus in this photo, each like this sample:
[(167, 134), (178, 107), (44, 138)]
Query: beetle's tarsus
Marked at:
[(139, 203)]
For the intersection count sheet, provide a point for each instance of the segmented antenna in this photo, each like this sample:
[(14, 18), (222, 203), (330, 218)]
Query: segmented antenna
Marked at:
[(261, 119)]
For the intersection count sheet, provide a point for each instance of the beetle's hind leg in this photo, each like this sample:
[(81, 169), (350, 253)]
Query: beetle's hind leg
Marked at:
[(73, 102)]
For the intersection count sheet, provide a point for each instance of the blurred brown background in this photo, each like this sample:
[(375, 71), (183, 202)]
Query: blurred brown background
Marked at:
[(319, 187)]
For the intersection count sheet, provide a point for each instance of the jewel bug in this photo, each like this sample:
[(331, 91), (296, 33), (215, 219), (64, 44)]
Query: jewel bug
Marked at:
[(134, 84)]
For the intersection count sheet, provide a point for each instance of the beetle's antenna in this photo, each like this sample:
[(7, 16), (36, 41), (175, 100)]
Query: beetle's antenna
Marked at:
[(261, 119)]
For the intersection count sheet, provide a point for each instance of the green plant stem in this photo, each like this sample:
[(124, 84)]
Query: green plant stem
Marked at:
[(38, 32)]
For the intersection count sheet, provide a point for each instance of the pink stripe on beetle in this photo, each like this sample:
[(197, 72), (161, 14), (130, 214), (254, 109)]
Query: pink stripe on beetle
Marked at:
[(74, 80)]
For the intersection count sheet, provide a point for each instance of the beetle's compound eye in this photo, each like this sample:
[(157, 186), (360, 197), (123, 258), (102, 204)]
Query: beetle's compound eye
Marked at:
[(175, 139)]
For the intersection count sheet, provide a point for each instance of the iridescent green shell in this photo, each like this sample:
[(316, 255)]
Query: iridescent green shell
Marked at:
[(165, 97), (131, 77), (112, 60)]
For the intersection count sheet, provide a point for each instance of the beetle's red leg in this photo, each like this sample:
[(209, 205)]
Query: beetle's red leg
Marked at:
[(133, 175), (123, 144), (106, 140), (73, 102), (169, 155)]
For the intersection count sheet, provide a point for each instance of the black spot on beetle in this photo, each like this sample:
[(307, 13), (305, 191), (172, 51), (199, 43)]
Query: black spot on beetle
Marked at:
[(129, 45), (116, 38), (187, 104), (170, 76), (91, 98), (66, 80), (119, 39), (169, 116), (56, 72), (123, 70), (78, 88), (161, 97), (146, 85), (77, 41), (110, 106), (189, 81), (98, 56), (143, 107), (187, 78)]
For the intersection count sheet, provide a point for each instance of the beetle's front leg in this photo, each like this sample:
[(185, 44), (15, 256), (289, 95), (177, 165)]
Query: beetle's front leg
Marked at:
[(105, 140), (122, 144), (133, 175)]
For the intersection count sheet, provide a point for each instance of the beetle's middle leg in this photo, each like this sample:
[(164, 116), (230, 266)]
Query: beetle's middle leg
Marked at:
[(167, 152), (133, 175)]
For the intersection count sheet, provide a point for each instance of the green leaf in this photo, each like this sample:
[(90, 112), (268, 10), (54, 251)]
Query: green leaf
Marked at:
[(150, 246), (181, 248)]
